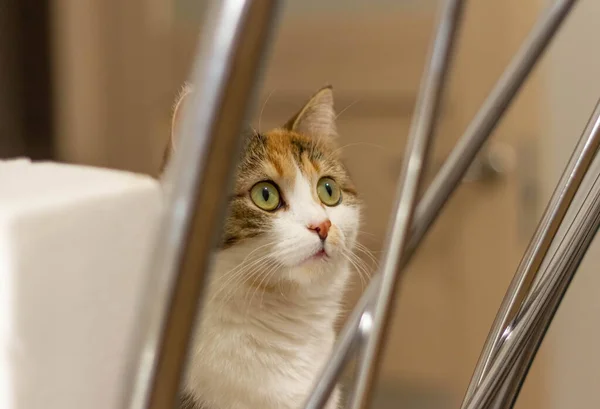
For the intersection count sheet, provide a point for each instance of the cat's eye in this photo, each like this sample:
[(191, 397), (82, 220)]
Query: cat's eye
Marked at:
[(329, 192), (266, 196)]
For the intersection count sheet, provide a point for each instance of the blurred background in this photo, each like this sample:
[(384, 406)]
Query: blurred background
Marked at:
[(93, 82)]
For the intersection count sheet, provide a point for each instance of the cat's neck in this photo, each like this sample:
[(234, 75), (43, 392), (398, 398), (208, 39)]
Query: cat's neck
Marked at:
[(325, 292), (282, 302)]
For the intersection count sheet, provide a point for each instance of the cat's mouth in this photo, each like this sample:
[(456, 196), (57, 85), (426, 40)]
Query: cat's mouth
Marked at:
[(319, 255)]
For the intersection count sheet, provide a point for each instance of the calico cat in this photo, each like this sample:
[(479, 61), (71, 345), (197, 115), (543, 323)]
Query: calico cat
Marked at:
[(281, 270)]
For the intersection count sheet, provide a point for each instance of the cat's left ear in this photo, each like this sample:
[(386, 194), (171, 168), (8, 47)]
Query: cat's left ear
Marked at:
[(317, 117), (180, 103)]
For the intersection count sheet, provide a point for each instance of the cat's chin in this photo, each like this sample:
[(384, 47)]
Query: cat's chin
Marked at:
[(319, 271), (319, 256), (320, 262)]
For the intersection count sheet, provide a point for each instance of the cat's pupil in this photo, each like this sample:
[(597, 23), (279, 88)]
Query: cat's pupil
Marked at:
[(265, 194), (329, 189)]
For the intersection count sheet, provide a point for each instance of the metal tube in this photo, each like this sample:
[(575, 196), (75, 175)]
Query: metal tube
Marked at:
[(490, 113), (365, 326), (361, 321), (346, 343), (352, 334), (538, 313), (231, 50), (527, 271), (409, 186), (508, 394), (454, 169)]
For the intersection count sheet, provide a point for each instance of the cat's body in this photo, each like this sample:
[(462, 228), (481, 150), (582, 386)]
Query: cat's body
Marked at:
[(261, 349), (278, 280)]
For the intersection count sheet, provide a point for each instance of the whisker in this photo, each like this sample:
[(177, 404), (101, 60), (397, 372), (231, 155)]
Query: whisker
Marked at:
[(263, 108), (367, 268), (253, 274), (347, 107), (280, 286), (264, 274), (270, 275), (258, 270), (360, 263), (243, 269), (240, 270), (258, 248), (242, 265), (358, 144), (244, 272), (368, 253), (360, 273)]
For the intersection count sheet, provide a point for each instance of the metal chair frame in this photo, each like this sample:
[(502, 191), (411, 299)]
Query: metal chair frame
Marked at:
[(234, 38)]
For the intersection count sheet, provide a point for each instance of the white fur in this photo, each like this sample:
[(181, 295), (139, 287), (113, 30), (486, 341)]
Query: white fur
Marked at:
[(258, 349)]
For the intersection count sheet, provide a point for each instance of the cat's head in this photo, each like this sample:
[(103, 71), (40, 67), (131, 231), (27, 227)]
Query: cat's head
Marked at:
[(293, 204)]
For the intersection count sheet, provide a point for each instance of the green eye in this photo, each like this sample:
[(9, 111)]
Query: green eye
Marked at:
[(329, 192), (266, 196)]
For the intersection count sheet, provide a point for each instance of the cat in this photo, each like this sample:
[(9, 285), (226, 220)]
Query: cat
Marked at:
[(281, 270)]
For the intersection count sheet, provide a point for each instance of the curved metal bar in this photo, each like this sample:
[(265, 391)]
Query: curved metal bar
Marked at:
[(490, 113), (450, 175), (353, 334), (538, 312), (364, 331), (409, 185), (229, 58), (507, 395), (541, 34), (522, 286)]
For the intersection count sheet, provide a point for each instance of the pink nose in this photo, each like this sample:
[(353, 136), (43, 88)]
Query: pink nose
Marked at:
[(322, 229)]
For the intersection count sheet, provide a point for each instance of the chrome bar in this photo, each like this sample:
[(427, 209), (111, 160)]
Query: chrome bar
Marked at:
[(463, 154), (355, 331), (527, 271), (231, 51), (361, 321), (559, 270), (527, 278), (507, 395), (409, 186), (365, 328), (490, 113)]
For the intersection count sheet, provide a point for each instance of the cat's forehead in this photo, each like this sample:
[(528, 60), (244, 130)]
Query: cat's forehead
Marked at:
[(280, 154), (284, 156), (287, 152)]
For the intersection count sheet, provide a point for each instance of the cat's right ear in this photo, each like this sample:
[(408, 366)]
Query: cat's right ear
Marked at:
[(317, 117)]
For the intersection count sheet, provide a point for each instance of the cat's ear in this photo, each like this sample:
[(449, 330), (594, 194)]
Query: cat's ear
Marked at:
[(178, 108), (317, 117)]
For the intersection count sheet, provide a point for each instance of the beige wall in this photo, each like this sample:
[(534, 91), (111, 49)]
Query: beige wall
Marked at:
[(572, 72)]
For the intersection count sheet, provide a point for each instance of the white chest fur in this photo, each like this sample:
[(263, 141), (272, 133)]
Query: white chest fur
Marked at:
[(262, 348)]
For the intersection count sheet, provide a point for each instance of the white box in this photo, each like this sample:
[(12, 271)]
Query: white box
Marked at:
[(74, 247)]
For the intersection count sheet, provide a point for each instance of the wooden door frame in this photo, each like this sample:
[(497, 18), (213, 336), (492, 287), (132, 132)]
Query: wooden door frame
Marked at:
[(26, 99)]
